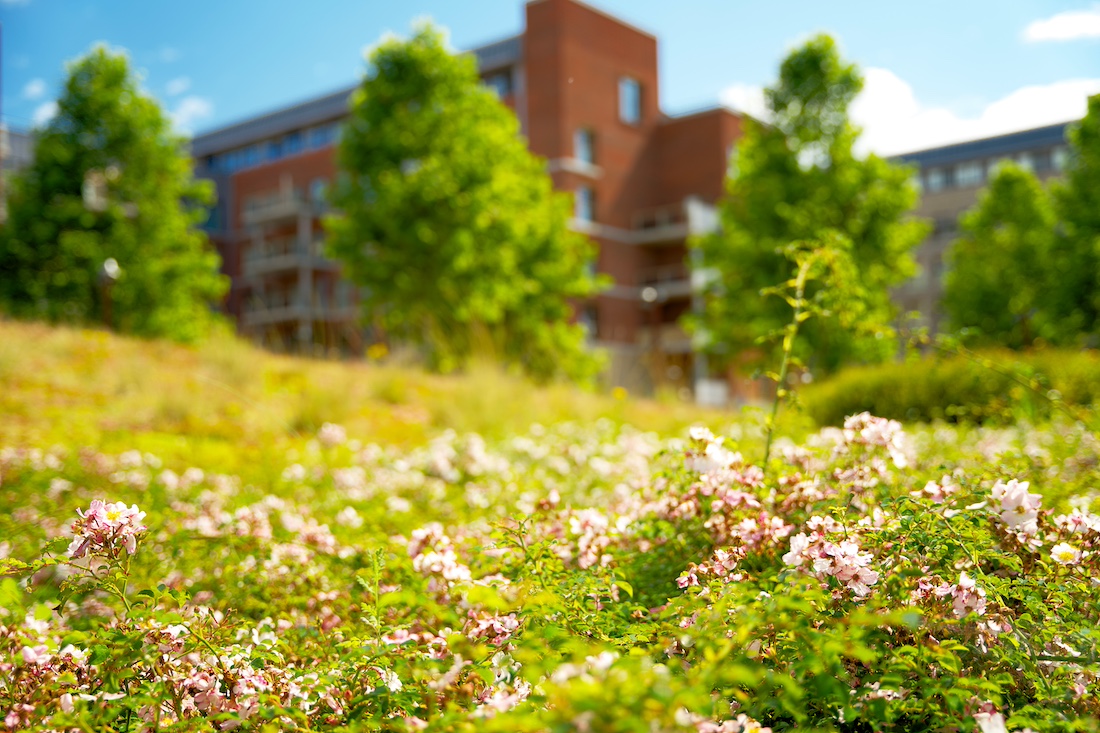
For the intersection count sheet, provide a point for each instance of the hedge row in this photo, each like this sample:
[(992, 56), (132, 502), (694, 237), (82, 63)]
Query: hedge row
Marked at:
[(995, 387)]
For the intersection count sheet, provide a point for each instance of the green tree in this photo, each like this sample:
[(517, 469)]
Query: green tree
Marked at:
[(1027, 269), (797, 178), (110, 180), (1076, 300), (449, 224), (1001, 266)]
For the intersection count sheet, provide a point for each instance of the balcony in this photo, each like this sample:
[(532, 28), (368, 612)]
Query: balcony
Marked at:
[(660, 224), (671, 338), (285, 253), (287, 304), (673, 222), (287, 307), (669, 281), (278, 207)]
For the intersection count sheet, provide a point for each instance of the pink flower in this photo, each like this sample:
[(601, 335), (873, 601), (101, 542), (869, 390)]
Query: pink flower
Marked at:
[(1019, 509), (966, 596), (106, 529), (842, 560)]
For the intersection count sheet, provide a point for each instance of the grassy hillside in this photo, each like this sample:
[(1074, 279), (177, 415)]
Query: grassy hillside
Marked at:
[(231, 403)]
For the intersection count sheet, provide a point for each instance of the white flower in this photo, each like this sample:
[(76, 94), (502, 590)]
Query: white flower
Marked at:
[(1065, 554)]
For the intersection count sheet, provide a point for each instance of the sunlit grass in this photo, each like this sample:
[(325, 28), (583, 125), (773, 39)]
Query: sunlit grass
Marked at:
[(231, 404)]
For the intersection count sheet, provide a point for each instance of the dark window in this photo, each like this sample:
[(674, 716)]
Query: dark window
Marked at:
[(323, 136), (500, 82), (292, 145)]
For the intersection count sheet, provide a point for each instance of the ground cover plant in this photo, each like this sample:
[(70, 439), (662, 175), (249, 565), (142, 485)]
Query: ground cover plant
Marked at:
[(575, 577)]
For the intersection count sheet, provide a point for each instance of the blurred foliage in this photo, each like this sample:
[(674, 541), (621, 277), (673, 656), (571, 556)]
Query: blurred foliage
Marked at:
[(110, 180), (1026, 270), (798, 178), (1076, 289), (450, 225), (995, 387), (1002, 267)]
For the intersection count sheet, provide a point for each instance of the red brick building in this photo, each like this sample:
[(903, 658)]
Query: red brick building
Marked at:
[(585, 88)]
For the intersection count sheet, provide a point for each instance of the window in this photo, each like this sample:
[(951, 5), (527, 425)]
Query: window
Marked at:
[(317, 189), (274, 150), (589, 319), (583, 146), (935, 179), (630, 101), (251, 156), (1059, 157), (584, 204), (500, 82), (969, 174), (1025, 162), (292, 145), (323, 136)]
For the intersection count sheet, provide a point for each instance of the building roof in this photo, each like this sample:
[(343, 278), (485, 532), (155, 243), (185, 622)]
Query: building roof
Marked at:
[(990, 147), (327, 108)]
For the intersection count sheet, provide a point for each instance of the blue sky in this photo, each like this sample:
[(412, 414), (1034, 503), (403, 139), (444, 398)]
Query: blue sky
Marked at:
[(937, 71)]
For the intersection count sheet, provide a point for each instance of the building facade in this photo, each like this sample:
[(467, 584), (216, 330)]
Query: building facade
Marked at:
[(950, 179), (585, 88)]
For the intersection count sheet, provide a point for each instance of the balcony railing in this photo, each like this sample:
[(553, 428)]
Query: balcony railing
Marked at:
[(285, 253), (278, 207), (286, 306), (660, 223), (670, 281)]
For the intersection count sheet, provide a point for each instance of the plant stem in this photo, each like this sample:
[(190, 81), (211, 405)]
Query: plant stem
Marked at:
[(789, 334)]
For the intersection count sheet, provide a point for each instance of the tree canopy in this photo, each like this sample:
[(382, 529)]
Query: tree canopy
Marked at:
[(794, 178), (1077, 202), (110, 180), (1026, 270), (447, 222), (1000, 266)]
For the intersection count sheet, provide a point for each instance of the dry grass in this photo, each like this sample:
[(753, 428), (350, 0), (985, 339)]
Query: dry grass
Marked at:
[(229, 401)]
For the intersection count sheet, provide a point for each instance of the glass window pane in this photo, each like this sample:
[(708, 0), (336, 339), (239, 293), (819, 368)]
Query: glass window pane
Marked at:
[(583, 147), (630, 101), (584, 204)]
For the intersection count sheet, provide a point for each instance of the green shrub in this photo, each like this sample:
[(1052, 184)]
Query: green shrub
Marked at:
[(995, 387)]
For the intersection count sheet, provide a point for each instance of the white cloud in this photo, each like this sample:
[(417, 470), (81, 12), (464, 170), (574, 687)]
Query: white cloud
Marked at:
[(189, 111), (1068, 26), (34, 89), (168, 54), (745, 98), (895, 121), (178, 86), (43, 113)]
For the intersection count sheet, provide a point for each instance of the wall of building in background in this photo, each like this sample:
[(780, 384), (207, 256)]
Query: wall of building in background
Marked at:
[(585, 88)]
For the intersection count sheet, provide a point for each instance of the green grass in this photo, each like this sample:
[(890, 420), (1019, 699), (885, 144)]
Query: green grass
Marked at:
[(228, 404)]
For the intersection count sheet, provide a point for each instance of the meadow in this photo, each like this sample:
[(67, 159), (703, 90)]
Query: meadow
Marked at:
[(220, 539)]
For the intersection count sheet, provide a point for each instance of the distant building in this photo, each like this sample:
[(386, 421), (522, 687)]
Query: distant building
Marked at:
[(585, 88), (16, 153), (950, 179)]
